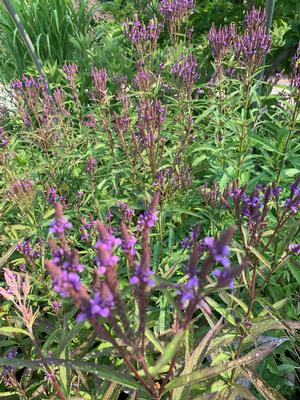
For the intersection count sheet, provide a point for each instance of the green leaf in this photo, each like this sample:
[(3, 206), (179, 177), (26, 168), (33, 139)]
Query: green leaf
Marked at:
[(110, 374), (264, 143), (6, 255), (290, 172), (198, 160), (221, 310), (197, 357), (156, 343), (211, 372), (9, 331), (260, 257), (170, 351), (268, 324), (267, 391)]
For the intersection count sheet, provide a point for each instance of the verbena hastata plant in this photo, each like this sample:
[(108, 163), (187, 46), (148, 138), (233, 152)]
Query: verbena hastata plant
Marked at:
[(169, 270)]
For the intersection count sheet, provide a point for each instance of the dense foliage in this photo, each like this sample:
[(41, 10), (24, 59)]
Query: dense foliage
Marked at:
[(150, 211)]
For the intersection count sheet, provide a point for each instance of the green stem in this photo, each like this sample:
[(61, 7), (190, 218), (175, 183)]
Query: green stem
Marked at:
[(289, 136), (244, 133)]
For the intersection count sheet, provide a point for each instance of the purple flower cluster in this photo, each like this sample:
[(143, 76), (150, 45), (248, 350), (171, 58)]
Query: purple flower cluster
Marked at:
[(294, 248), (70, 71), (59, 225), (7, 368), (292, 203), (186, 243), (128, 246), (127, 211), (188, 292), (28, 251), (184, 70), (151, 116), (218, 251), (255, 18), (143, 38), (99, 306), (104, 247), (99, 78), (147, 220), (21, 191), (90, 166), (90, 121), (255, 43), (220, 40), (143, 79), (35, 105), (52, 195), (141, 276), (214, 196), (56, 305), (67, 261), (176, 177), (60, 97), (4, 141), (174, 12), (176, 9)]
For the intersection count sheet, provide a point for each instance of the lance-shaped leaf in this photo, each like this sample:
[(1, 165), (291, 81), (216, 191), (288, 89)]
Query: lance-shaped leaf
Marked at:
[(268, 324), (168, 355), (267, 391), (196, 358), (104, 372), (211, 372)]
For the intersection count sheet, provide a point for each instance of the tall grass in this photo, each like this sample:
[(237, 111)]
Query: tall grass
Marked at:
[(56, 27)]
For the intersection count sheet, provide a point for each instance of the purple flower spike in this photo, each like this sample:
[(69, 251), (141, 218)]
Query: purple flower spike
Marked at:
[(60, 225), (143, 38), (225, 277), (100, 78), (218, 250), (105, 258), (255, 43), (184, 70), (294, 248), (220, 40), (141, 276)]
